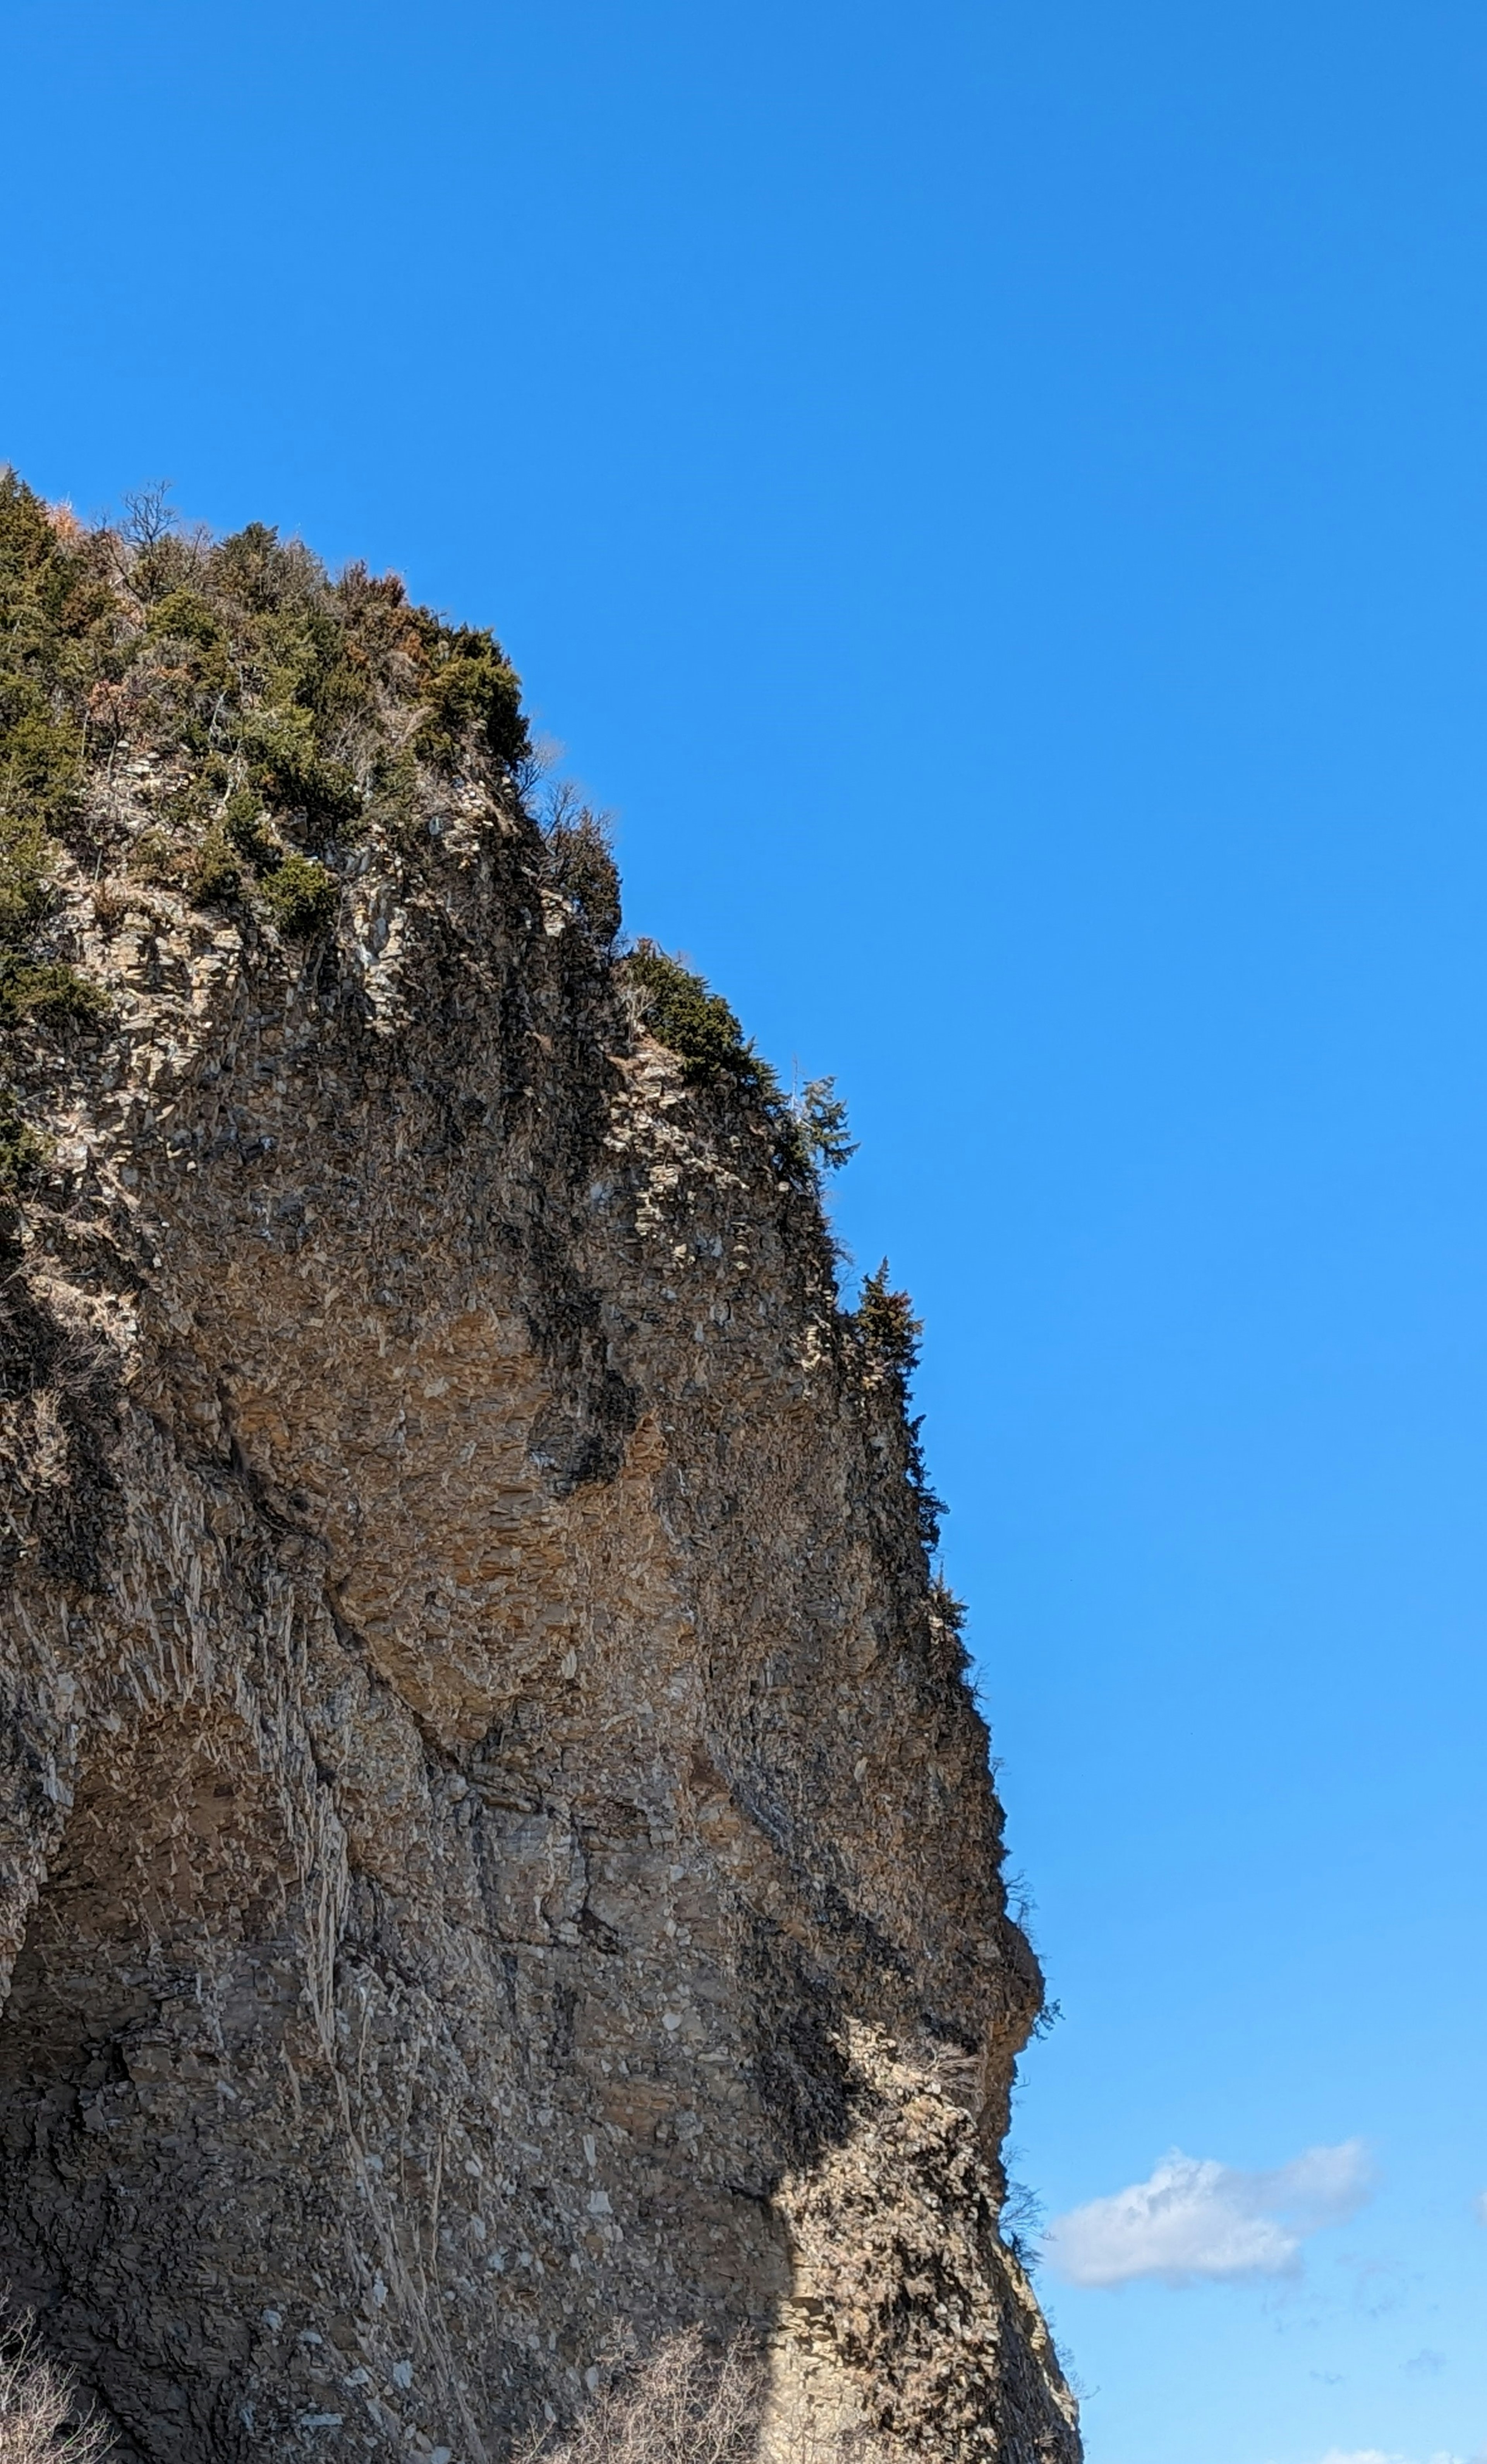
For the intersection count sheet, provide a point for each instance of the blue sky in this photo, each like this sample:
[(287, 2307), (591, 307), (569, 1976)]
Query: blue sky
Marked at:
[(994, 498)]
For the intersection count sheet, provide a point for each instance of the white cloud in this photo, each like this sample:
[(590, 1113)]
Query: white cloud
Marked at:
[(1195, 2220), (1376, 2456)]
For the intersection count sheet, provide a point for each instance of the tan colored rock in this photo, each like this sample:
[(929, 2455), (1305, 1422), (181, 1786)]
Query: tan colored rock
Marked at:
[(498, 1858)]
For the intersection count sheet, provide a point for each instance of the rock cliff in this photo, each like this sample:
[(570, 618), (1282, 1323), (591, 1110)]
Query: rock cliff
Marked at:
[(498, 1859)]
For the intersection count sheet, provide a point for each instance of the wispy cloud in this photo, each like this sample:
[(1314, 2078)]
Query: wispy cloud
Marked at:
[(1480, 2204), (1377, 2456), (1197, 2221)]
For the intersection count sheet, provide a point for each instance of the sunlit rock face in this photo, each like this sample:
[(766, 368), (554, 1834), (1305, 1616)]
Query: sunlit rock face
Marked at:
[(499, 1863)]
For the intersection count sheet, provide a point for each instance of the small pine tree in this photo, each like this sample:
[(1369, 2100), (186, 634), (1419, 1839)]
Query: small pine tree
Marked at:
[(820, 1116), (889, 1326)]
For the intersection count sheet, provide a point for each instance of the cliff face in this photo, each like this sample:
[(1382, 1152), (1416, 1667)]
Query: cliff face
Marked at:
[(499, 1859)]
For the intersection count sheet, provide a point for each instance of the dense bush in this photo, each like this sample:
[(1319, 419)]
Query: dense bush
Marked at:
[(809, 1127), (302, 896), (695, 1023), (187, 618), (55, 636), (213, 874), (243, 826), (470, 686), (25, 892), (47, 990)]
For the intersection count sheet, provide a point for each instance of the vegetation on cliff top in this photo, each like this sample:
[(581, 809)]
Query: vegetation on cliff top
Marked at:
[(287, 712), (809, 1124), (288, 708), (889, 1334), (299, 703)]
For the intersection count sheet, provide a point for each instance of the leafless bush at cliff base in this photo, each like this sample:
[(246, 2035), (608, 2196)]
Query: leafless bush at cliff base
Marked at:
[(688, 2406), (38, 2409), (684, 2406)]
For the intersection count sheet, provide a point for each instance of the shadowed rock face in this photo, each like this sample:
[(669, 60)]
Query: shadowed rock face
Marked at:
[(498, 1858)]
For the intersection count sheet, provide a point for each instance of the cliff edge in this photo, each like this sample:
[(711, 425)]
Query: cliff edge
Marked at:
[(498, 1859)]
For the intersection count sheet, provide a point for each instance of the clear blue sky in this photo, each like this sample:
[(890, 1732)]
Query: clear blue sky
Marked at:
[(994, 495)]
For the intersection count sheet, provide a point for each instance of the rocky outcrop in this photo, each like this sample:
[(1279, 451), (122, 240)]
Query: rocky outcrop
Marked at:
[(499, 1863)]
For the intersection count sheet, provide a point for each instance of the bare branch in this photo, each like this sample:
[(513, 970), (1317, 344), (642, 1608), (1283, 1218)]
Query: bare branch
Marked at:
[(147, 518), (41, 2413)]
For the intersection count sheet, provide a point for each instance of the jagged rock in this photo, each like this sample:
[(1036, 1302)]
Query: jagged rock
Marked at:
[(498, 1858)]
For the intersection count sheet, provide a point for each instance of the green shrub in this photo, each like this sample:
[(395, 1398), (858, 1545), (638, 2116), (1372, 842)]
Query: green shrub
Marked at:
[(262, 572), (208, 869), (185, 617), (889, 1334), (26, 539), (23, 1153), (196, 672), (313, 692), (56, 623), (244, 826), (471, 685), (38, 574), (157, 859), (695, 1023), (394, 798), (809, 1127), (47, 990), (283, 745), (213, 874), (302, 896), (25, 892), (40, 754)]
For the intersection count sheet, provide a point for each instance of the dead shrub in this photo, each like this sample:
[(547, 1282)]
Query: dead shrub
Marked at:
[(691, 2404), (110, 907), (39, 2407), (684, 2406)]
